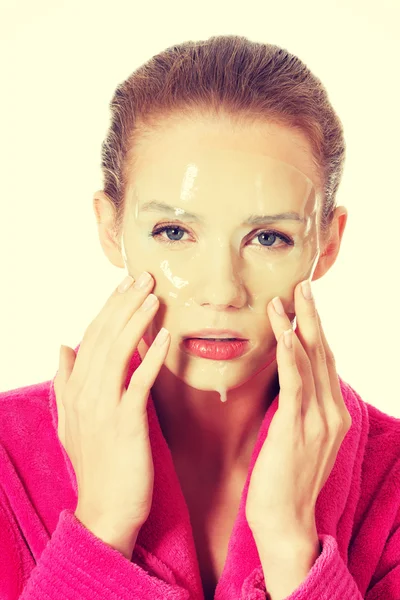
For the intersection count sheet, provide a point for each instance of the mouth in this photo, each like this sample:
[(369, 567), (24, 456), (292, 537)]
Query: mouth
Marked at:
[(216, 348)]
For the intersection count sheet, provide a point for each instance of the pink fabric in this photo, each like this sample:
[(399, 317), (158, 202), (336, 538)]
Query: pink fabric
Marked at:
[(46, 553)]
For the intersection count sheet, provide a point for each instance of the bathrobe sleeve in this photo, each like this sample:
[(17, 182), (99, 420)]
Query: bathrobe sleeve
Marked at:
[(330, 579), (76, 565), (386, 580)]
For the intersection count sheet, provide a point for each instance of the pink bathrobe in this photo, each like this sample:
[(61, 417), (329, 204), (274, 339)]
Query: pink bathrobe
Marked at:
[(47, 554)]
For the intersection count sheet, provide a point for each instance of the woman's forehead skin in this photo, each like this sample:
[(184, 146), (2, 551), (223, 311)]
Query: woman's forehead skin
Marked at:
[(239, 187), (185, 137)]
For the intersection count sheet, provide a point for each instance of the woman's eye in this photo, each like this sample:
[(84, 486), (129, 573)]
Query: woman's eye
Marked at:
[(266, 239), (174, 234)]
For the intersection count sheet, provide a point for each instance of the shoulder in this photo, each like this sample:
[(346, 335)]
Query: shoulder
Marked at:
[(24, 412), (378, 450), (381, 424), (29, 395)]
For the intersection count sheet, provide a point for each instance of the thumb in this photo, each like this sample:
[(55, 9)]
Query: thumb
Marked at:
[(66, 365)]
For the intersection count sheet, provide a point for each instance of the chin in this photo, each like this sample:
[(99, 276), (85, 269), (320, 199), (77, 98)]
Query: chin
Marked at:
[(212, 375), (216, 383)]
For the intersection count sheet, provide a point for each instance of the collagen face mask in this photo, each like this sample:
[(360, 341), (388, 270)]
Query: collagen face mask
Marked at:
[(222, 232)]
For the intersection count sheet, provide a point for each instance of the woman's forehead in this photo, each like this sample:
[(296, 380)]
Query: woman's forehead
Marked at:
[(205, 180)]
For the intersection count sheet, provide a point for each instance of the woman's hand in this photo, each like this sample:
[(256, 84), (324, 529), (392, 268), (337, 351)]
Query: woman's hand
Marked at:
[(305, 433), (106, 428)]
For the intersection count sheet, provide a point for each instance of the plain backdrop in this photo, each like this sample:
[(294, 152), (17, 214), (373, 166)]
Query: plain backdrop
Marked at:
[(60, 65)]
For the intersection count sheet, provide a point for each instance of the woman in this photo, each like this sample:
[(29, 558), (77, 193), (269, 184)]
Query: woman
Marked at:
[(166, 470)]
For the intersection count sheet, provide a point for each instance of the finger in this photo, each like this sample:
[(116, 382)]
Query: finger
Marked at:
[(105, 328), (120, 351), (145, 375), (280, 323), (290, 380), (309, 334), (333, 376), (66, 364)]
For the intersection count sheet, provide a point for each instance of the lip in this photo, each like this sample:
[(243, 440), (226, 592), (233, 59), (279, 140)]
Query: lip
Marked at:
[(215, 333), (217, 349)]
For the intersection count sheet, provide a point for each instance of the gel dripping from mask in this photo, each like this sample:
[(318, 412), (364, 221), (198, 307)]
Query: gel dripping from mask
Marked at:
[(222, 393)]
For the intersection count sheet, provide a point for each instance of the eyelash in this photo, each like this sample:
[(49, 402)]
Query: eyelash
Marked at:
[(157, 231)]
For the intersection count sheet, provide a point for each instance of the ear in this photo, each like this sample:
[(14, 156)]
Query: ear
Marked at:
[(105, 217), (331, 247)]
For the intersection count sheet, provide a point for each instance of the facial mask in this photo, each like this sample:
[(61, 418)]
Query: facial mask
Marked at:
[(239, 229)]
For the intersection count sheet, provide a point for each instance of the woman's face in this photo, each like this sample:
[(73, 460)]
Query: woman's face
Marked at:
[(195, 218)]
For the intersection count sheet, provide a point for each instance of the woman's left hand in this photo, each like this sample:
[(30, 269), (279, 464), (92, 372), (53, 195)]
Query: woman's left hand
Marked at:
[(305, 433)]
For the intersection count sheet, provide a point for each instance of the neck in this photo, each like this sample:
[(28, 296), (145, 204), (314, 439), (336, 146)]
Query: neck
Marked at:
[(218, 437)]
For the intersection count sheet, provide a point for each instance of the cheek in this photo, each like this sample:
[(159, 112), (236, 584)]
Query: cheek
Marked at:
[(179, 282)]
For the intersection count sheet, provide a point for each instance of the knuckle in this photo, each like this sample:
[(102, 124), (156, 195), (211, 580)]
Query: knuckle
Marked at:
[(296, 385), (347, 421), (320, 431), (299, 389), (336, 423), (306, 366), (330, 359), (344, 422), (143, 379), (318, 351), (312, 310)]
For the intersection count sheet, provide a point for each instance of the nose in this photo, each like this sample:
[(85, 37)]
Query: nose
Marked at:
[(221, 287)]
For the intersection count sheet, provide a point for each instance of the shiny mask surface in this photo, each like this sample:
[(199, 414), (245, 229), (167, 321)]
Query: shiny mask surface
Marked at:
[(222, 233)]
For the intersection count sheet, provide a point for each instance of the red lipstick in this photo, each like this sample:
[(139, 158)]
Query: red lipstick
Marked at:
[(216, 349)]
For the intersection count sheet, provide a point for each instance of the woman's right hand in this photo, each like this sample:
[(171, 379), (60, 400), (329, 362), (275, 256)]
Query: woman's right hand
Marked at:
[(106, 425)]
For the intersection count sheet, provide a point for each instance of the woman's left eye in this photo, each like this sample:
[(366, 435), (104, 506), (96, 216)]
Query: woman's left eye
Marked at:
[(267, 235), (261, 236)]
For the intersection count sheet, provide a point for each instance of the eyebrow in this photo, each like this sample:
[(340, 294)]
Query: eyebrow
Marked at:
[(161, 207)]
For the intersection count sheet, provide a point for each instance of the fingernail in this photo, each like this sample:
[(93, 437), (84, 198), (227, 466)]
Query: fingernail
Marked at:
[(143, 280), (161, 337), (306, 288), (278, 306), (125, 284), (149, 302)]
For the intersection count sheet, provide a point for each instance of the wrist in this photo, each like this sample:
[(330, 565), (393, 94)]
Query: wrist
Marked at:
[(120, 539)]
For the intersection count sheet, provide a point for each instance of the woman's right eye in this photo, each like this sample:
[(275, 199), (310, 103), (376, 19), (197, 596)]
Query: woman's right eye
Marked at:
[(177, 232)]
